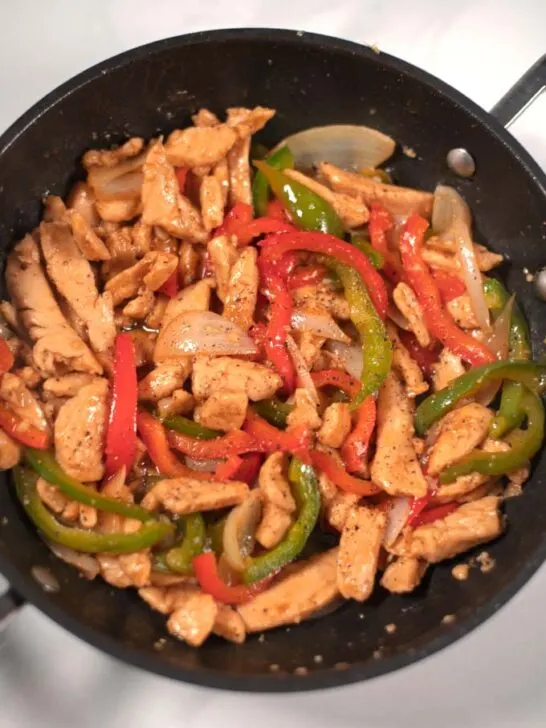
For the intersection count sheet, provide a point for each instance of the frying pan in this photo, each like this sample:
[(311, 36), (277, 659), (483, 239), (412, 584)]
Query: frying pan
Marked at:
[(311, 80)]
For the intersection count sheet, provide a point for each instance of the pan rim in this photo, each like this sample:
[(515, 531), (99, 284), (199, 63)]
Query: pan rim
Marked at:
[(274, 682)]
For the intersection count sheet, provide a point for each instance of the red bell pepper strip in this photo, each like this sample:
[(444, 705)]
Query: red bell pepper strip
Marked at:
[(287, 264), (450, 286), (234, 443), (355, 447), (276, 210), (261, 226), (335, 472), (426, 357), (154, 436), (429, 515), (239, 216), (278, 325), (309, 275), (6, 357), (438, 321), (269, 439), (170, 287), (245, 468), (379, 224), (22, 431), (206, 571), (338, 378), (275, 246), (181, 176), (227, 468), (121, 434)]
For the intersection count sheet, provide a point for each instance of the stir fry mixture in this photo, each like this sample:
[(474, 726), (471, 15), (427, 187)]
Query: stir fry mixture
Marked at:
[(249, 383)]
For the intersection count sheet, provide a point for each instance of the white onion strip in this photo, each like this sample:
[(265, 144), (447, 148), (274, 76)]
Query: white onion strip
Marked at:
[(350, 356), (319, 324), (304, 379), (397, 517)]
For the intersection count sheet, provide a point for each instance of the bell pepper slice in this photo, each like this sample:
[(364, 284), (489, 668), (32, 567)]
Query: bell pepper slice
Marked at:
[(81, 539), (233, 443), (281, 158), (335, 472), (274, 411), (338, 378), (276, 210), (206, 571), (238, 217), (426, 357), (121, 433), (429, 515), (179, 559), (379, 224), (306, 492), (376, 345), (182, 177), (449, 286), (532, 375), (269, 439), (22, 431), (438, 321), (6, 357), (262, 226), (43, 462), (524, 444), (170, 287), (178, 423), (356, 446), (154, 436), (363, 244), (244, 469), (308, 210), (275, 246), (309, 275)]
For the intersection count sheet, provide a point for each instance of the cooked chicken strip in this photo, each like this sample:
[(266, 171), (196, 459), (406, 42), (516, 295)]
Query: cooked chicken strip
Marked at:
[(397, 200), (353, 212), (223, 254), (310, 586), (461, 310), (408, 369), (73, 277), (242, 289), (163, 380), (10, 452), (80, 430), (448, 367), (223, 410), (192, 298), (323, 295), (22, 401), (57, 347), (193, 620), (274, 482), (204, 117), (460, 432), (162, 203), (336, 425), (87, 240), (395, 467), (248, 121), (222, 373), (211, 200), (273, 526), (81, 200), (359, 548), (186, 495), (179, 403), (471, 524), (239, 172), (403, 575), (229, 625), (408, 305), (202, 146), (113, 157), (125, 570), (151, 271)]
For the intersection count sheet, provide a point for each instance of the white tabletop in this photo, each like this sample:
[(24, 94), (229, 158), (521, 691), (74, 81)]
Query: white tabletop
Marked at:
[(490, 679)]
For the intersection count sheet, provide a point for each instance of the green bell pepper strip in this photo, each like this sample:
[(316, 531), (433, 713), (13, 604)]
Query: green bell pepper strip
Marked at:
[(274, 411), (524, 444), (308, 210), (376, 345), (80, 539), (189, 427), (510, 412), (215, 533), (178, 559), (281, 158), (437, 405), (305, 489), (363, 244), (45, 465)]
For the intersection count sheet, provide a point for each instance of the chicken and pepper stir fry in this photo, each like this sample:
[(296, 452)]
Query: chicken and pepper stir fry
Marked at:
[(210, 354)]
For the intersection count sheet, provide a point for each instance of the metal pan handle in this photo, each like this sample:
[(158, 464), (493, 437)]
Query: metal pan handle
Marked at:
[(522, 94)]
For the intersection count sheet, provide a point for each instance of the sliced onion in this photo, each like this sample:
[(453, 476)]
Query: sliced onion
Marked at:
[(498, 341), (345, 145), (349, 355), (397, 518), (305, 380), (127, 187), (451, 220), (202, 466), (397, 317), (319, 324), (87, 565), (239, 528), (202, 332), (123, 181)]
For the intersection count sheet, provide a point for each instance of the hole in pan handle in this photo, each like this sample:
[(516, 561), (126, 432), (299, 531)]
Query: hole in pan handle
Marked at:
[(522, 94), (10, 603)]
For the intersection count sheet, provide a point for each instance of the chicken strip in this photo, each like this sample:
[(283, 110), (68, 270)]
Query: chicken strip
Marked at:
[(403, 575), (408, 305), (274, 482), (304, 412), (460, 309), (192, 298), (150, 272), (448, 367), (113, 157), (211, 200), (248, 121), (395, 467), (194, 619), (22, 401), (80, 430), (324, 296), (163, 380), (406, 367), (57, 347), (87, 240), (460, 432), (471, 524), (186, 495), (273, 525), (309, 586), (202, 146), (125, 570), (239, 172), (81, 200), (222, 254), (162, 203), (397, 200), (336, 425), (359, 549), (223, 373), (242, 289), (229, 625), (73, 277), (223, 410)]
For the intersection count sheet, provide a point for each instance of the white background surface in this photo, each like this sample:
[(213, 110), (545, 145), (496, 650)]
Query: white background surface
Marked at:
[(492, 679)]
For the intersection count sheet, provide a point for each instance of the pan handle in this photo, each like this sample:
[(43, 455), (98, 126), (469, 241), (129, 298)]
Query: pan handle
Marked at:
[(10, 603), (522, 94)]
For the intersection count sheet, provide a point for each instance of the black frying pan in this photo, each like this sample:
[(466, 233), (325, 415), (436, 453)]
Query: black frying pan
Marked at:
[(311, 80)]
